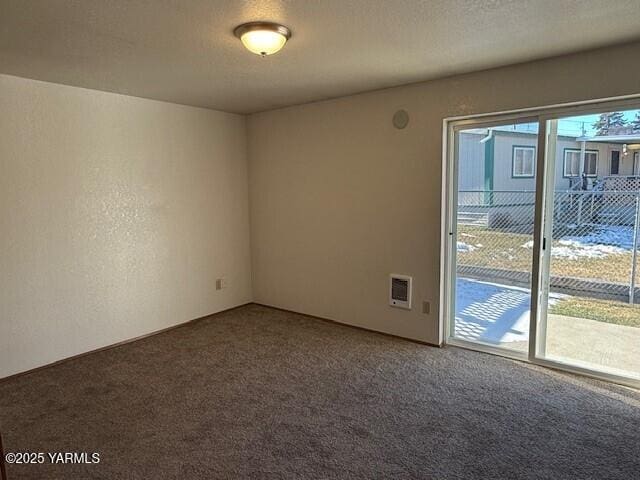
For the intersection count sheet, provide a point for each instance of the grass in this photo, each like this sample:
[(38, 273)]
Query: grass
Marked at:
[(505, 250), (599, 310)]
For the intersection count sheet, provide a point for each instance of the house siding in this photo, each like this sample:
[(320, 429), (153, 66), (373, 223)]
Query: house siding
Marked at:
[(474, 159), (471, 167)]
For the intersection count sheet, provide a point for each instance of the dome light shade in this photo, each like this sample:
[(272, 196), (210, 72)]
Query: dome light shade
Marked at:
[(263, 38)]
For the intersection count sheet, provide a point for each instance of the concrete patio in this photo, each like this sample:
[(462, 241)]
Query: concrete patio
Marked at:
[(499, 315)]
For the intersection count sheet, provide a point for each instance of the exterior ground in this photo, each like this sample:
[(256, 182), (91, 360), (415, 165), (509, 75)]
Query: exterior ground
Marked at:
[(600, 310), (593, 344), (483, 247), (499, 315)]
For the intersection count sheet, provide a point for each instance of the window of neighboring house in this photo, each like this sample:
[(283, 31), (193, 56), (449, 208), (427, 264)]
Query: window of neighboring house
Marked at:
[(523, 162), (615, 162), (572, 163)]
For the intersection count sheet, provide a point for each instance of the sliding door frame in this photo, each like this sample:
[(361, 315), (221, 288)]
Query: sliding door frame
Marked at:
[(451, 227), (546, 117)]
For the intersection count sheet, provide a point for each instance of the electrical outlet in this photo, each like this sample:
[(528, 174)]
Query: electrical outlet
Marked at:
[(426, 307), (221, 283)]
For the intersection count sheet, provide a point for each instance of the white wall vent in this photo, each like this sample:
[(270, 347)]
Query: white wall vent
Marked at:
[(400, 291)]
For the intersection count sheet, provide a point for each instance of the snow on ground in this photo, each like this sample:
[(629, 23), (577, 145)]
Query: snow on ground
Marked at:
[(616, 236), (464, 247), (574, 250), (493, 313), (599, 243)]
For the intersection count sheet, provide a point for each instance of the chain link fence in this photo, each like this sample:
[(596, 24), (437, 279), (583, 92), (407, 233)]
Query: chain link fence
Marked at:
[(594, 244)]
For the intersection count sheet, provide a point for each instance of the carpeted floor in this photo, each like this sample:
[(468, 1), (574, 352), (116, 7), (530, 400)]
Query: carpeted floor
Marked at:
[(261, 393)]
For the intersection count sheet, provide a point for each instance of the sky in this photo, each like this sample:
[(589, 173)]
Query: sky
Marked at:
[(571, 126)]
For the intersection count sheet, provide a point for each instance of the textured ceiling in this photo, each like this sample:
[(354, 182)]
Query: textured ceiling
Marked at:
[(184, 51)]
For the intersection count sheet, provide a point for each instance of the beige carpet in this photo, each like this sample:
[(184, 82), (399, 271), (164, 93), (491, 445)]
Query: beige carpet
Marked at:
[(260, 393)]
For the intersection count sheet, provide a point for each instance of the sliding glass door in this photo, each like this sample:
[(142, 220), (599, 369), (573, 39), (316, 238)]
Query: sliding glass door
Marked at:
[(591, 319), (495, 184), (543, 236)]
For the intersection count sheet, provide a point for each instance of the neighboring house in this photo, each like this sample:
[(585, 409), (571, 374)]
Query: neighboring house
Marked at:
[(505, 161), (497, 167)]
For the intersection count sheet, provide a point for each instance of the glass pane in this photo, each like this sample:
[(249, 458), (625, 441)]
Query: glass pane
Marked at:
[(518, 167), (593, 317), (592, 161), (494, 227), (575, 164), (528, 163)]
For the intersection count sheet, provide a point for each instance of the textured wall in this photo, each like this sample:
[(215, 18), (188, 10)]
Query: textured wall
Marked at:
[(117, 214), (340, 199)]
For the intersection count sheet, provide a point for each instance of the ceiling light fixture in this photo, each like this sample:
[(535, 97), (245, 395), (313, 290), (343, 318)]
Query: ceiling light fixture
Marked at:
[(263, 38)]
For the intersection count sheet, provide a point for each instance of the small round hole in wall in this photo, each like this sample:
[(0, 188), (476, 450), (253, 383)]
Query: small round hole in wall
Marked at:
[(400, 119)]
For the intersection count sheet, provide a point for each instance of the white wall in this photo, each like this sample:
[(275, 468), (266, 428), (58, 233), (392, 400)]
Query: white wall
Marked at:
[(340, 199), (117, 214)]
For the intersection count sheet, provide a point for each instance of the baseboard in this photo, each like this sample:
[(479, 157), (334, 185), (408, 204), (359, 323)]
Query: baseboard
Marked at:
[(188, 322), (119, 344), (336, 322)]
